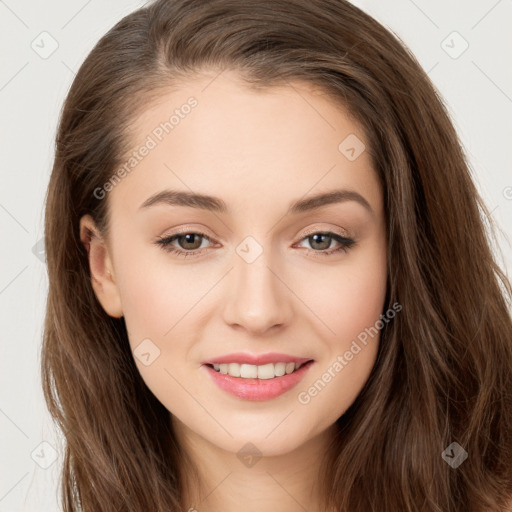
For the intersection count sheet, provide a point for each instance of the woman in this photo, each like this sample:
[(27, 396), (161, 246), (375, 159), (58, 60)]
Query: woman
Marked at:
[(336, 336)]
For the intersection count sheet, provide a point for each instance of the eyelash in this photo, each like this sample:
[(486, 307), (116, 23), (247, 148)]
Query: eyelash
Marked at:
[(165, 243)]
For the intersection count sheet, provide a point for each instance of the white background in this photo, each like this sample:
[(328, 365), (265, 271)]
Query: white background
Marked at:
[(477, 87)]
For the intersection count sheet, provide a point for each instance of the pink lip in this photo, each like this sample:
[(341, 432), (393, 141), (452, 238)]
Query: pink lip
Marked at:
[(258, 360), (258, 389)]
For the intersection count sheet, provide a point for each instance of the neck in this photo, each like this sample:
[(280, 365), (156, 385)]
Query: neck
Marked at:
[(215, 479)]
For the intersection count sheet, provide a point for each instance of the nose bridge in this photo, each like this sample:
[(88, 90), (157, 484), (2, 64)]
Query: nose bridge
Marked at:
[(259, 299)]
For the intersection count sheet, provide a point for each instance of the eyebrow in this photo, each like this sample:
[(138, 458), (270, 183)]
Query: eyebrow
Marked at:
[(215, 204)]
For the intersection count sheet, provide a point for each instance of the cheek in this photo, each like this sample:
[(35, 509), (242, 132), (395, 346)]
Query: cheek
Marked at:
[(154, 301), (149, 293), (352, 311), (349, 297), (157, 310)]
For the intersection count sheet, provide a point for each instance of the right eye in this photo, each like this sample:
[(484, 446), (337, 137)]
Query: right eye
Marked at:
[(187, 241)]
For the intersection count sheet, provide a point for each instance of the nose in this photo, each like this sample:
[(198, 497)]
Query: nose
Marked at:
[(258, 298)]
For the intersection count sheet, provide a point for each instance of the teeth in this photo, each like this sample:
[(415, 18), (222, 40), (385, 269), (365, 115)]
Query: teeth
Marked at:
[(247, 371), (290, 367), (234, 369), (251, 371), (266, 371), (280, 369)]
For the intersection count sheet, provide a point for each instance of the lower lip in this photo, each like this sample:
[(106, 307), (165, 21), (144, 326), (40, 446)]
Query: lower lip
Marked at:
[(258, 389)]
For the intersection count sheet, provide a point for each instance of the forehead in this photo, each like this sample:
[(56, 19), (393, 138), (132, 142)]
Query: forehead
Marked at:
[(214, 134)]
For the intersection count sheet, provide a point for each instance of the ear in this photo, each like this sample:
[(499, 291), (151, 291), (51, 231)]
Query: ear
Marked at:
[(100, 265)]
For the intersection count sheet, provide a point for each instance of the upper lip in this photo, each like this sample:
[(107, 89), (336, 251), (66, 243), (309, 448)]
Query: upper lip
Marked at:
[(257, 359)]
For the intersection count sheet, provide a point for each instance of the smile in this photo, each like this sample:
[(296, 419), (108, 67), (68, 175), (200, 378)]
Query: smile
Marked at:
[(251, 371), (251, 386)]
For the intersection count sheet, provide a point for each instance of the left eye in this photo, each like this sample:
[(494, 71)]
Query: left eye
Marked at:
[(190, 243), (321, 237)]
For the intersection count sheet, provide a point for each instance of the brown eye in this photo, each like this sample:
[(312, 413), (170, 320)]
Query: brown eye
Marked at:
[(183, 244), (320, 243), (190, 241)]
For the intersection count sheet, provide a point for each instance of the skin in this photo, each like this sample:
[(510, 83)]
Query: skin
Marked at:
[(258, 151)]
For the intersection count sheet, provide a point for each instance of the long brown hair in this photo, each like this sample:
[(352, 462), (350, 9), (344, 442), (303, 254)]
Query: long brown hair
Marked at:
[(444, 368)]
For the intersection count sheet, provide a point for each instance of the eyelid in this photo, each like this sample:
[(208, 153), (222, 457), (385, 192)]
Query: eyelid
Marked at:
[(201, 230), (311, 231)]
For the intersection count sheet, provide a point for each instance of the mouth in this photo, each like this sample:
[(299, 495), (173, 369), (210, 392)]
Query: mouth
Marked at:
[(261, 372), (257, 383)]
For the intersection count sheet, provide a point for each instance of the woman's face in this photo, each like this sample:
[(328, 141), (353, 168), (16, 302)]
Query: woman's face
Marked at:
[(258, 277)]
